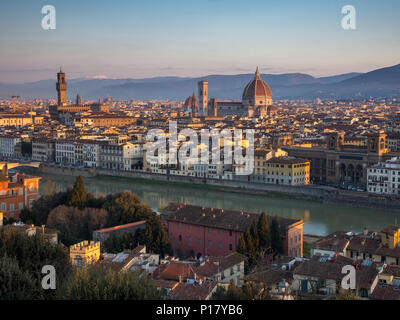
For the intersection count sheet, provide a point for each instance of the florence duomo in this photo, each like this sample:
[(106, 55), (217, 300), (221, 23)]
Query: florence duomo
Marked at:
[(229, 153), (256, 101)]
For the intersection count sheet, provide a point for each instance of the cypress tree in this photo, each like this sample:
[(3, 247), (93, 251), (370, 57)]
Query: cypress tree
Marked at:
[(276, 239), (250, 245), (241, 248), (251, 250), (263, 231), (254, 234), (78, 194)]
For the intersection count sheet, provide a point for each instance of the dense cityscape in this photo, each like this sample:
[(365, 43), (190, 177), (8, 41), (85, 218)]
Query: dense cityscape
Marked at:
[(346, 148), (183, 159)]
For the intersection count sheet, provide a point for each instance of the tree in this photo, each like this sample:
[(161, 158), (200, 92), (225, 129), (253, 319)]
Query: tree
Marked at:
[(125, 207), (156, 236), (76, 225), (100, 283), (251, 250), (241, 248), (263, 231), (95, 202), (233, 292), (15, 284), (250, 243), (346, 295), (115, 244), (256, 291), (79, 194), (254, 234), (32, 253), (49, 188), (276, 239), (41, 208), (26, 216)]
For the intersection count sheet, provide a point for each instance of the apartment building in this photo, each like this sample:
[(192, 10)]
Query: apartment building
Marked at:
[(210, 170), (384, 177), (393, 142), (65, 152), (209, 231), (17, 192), (43, 150), (117, 156), (281, 170), (12, 120), (91, 153), (7, 145)]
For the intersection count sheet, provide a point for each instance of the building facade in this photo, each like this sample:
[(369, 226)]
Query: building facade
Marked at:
[(338, 163), (84, 253), (384, 177), (43, 150), (17, 192), (204, 231)]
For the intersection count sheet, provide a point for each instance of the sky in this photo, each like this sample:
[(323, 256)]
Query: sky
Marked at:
[(137, 39)]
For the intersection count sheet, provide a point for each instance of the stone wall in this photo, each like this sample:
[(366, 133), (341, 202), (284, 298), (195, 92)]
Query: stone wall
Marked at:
[(317, 193), (67, 171)]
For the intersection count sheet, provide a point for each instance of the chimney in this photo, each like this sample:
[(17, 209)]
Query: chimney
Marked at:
[(365, 231)]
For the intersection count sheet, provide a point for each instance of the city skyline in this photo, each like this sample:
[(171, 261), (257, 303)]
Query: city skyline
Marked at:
[(132, 40)]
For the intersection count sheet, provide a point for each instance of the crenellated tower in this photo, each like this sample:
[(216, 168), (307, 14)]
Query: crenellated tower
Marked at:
[(61, 88)]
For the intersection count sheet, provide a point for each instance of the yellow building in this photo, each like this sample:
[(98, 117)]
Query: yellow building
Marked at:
[(282, 170), (84, 253), (15, 120)]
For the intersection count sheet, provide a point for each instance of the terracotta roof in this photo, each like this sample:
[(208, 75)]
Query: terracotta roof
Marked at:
[(177, 271), (332, 269), (319, 269), (121, 227), (219, 218), (393, 270), (214, 265), (385, 292), (256, 88), (186, 291), (160, 283), (270, 276), (286, 160), (337, 242), (366, 244)]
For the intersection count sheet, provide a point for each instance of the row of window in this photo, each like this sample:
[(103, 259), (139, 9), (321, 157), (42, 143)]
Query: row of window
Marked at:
[(210, 243), (11, 207), (209, 230)]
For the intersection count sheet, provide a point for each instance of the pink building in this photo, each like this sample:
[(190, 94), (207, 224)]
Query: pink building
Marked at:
[(216, 232)]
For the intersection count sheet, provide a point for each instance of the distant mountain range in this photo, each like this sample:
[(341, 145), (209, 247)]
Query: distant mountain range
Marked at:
[(383, 82)]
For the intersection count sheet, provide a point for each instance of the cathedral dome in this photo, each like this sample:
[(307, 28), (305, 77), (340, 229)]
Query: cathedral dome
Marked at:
[(257, 92)]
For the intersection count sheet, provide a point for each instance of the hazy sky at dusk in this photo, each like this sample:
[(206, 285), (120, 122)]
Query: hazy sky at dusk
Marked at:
[(129, 38)]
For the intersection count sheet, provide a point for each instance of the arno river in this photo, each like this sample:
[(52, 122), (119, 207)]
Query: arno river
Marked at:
[(319, 218)]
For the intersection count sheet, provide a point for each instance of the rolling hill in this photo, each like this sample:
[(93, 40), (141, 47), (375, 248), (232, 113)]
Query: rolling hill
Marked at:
[(383, 82)]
